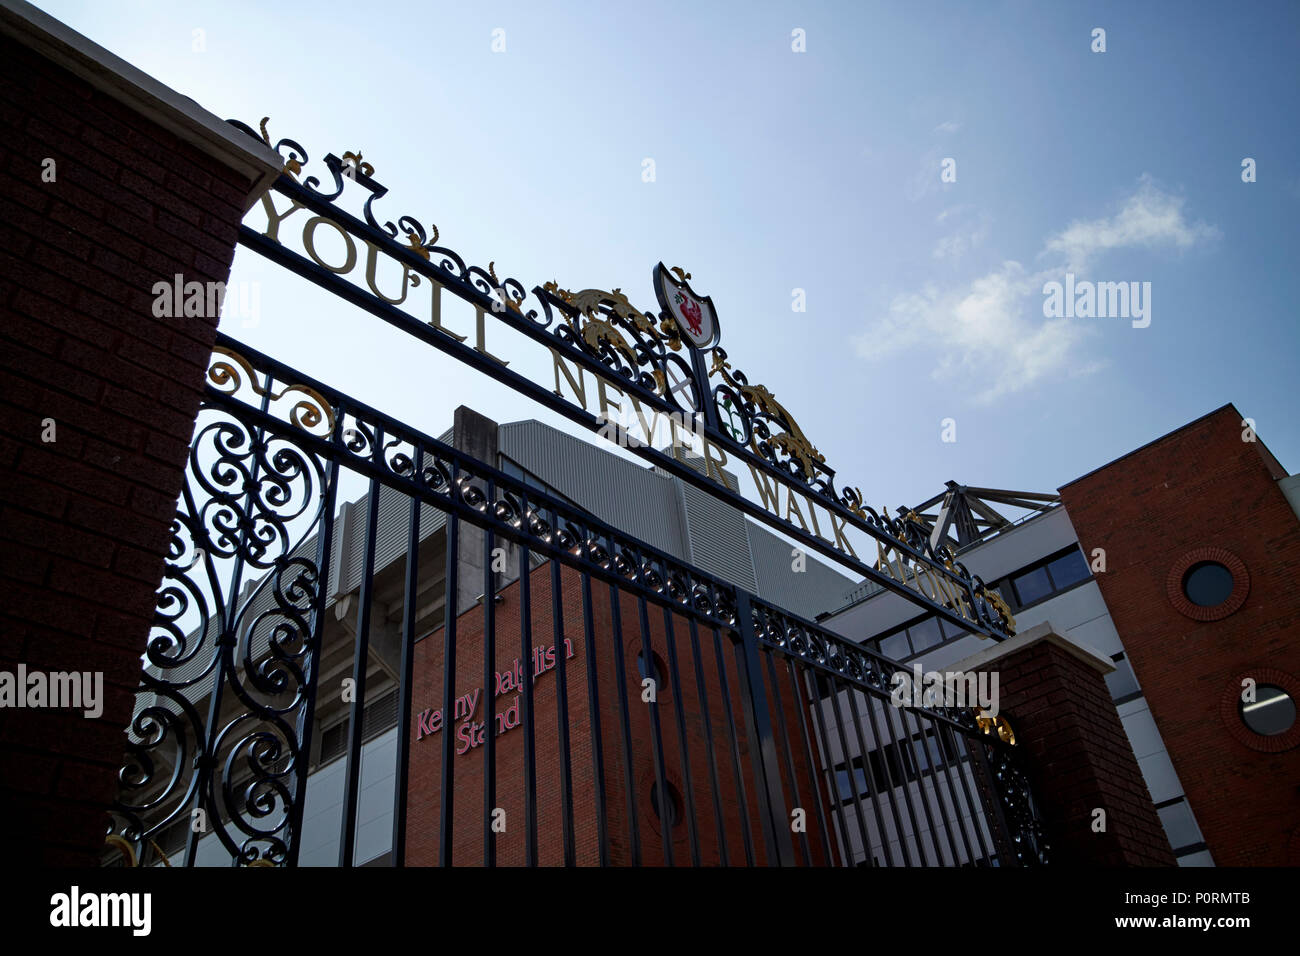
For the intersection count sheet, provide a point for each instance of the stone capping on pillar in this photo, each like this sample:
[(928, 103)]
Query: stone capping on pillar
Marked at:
[(1045, 631), (1074, 749), (177, 114)]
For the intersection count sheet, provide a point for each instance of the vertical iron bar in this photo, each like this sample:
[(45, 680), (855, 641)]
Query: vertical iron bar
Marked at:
[(307, 716), (882, 747), (620, 681), (788, 753), (489, 683), (680, 713), (762, 746), (406, 669), (360, 664), (562, 707), (872, 790), (922, 764), (708, 740), (451, 600), (1000, 831), (656, 734), (853, 783), (593, 710), (976, 809), (527, 673), (814, 774), (952, 792), (819, 713), (734, 736), (933, 731)]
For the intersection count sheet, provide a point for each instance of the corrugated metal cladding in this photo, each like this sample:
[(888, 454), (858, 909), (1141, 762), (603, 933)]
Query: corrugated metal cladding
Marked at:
[(630, 497), (675, 516), (390, 534), (719, 538), (817, 588)]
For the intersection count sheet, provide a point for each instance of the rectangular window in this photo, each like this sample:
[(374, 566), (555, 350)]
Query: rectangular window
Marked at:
[(926, 754), (925, 634), (1031, 586), (895, 646), (1068, 569), (1180, 826), (843, 785), (1122, 682)]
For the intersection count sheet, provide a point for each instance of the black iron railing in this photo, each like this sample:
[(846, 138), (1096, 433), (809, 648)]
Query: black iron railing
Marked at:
[(761, 705)]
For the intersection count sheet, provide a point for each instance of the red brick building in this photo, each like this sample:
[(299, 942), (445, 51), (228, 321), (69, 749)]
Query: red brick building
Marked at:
[(1202, 553), (685, 802)]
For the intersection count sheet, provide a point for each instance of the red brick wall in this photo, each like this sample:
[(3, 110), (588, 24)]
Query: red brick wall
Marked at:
[(1079, 759), (85, 519), (1203, 487), (426, 754)]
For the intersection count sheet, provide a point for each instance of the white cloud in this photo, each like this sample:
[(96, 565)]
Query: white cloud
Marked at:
[(1149, 218), (986, 332), (950, 126), (988, 335), (959, 243)]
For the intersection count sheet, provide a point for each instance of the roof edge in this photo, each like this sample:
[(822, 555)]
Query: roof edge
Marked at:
[(1150, 444), (110, 74)]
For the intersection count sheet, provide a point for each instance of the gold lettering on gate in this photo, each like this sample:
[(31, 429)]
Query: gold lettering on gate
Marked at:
[(372, 256), (309, 230), (273, 218)]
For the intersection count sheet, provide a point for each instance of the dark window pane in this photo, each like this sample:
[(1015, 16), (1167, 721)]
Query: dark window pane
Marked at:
[(1068, 569), (907, 760), (1179, 825), (823, 687), (895, 646), (1207, 584), (877, 770), (946, 737), (1122, 681), (920, 757), (932, 745), (842, 783), (952, 632), (1271, 712), (1031, 586), (925, 634), (653, 672), (670, 813)]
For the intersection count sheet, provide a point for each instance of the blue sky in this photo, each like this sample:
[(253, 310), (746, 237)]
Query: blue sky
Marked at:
[(820, 170)]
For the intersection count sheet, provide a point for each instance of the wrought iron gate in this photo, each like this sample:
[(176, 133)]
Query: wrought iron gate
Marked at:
[(740, 740)]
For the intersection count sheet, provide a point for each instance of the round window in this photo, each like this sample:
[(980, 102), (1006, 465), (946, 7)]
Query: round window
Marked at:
[(670, 814), (1207, 584), (1271, 713), (653, 671)]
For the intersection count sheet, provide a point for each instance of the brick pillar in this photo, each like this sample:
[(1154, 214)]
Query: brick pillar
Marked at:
[(476, 435), (1052, 692), (112, 183)]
